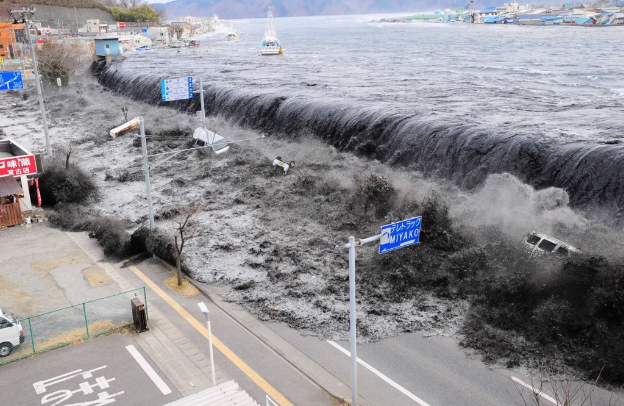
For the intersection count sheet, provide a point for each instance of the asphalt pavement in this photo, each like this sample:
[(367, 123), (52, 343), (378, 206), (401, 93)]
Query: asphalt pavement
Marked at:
[(106, 368)]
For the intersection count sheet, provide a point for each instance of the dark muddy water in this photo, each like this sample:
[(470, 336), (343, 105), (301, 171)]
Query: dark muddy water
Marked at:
[(456, 101)]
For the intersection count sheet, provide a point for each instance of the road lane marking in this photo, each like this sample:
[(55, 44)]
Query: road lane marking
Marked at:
[(382, 376), (153, 375), (534, 390), (246, 369)]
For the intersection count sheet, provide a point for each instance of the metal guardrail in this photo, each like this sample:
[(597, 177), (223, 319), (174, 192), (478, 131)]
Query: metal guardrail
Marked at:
[(61, 327)]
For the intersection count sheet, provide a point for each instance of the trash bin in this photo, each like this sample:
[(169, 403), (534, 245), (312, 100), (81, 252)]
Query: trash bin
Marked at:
[(138, 315)]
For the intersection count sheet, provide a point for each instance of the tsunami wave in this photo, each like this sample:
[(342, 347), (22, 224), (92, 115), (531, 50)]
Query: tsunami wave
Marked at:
[(591, 172)]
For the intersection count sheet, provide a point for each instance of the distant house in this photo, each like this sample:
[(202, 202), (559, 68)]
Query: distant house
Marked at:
[(485, 13), (108, 49), (158, 35)]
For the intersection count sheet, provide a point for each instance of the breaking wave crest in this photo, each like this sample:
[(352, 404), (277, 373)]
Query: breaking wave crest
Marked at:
[(591, 172)]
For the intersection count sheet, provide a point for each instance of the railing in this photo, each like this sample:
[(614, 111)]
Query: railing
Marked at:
[(71, 324), (10, 214)]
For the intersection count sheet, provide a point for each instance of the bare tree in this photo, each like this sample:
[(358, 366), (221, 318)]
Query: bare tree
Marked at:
[(65, 149), (160, 12), (183, 228)]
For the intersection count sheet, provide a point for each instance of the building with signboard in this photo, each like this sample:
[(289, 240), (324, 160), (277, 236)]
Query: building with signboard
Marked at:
[(17, 164), (11, 36)]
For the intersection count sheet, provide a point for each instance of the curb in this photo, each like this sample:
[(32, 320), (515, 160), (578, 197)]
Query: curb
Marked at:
[(297, 359)]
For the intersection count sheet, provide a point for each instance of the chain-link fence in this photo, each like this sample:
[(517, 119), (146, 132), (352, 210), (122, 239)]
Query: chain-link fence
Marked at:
[(64, 326)]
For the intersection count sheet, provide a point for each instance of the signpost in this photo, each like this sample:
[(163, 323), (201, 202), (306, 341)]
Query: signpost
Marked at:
[(393, 236), (11, 80), (176, 89)]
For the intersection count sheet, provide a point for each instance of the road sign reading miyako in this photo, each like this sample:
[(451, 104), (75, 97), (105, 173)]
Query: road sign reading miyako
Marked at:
[(399, 235), (176, 89)]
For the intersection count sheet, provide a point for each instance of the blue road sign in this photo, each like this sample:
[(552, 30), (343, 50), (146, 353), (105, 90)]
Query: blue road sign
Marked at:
[(399, 235), (11, 80), (176, 89)]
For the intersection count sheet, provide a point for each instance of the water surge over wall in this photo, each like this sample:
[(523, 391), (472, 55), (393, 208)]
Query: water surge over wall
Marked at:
[(590, 171)]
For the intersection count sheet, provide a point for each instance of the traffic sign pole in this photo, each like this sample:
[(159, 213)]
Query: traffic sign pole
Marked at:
[(393, 236), (201, 97), (352, 317), (147, 176), (44, 120)]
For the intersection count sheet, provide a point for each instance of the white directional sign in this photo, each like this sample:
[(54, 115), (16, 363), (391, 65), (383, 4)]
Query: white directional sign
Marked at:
[(399, 235), (176, 89)]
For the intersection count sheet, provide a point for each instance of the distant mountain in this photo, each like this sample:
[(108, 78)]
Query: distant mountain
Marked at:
[(230, 9)]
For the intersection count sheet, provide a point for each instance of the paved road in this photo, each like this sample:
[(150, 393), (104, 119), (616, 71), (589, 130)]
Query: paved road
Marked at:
[(288, 381), (412, 370), (104, 369)]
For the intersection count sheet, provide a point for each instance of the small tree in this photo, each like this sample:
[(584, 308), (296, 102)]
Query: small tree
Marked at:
[(59, 61), (183, 228)]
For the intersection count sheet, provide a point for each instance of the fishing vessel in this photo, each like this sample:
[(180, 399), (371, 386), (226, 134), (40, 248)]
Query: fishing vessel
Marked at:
[(232, 34), (270, 44)]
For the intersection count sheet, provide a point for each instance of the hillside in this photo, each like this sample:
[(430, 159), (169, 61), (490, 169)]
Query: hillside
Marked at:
[(65, 13), (288, 8)]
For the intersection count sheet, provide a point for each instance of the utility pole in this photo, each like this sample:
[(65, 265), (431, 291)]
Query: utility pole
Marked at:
[(26, 21)]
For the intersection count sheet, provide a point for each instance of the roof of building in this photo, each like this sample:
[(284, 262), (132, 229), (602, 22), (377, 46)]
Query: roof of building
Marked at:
[(494, 19), (529, 17), (9, 186), (488, 9)]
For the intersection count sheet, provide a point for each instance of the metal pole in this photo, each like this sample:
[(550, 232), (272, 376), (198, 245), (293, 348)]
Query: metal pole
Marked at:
[(201, 95), (352, 320), (212, 368), (147, 177), (39, 92)]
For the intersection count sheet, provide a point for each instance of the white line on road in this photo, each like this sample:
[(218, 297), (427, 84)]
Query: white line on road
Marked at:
[(148, 370), (382, 376), (534, 390)]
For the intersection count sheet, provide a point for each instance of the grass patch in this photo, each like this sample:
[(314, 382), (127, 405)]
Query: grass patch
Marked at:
[(186, 289), (96, 276)]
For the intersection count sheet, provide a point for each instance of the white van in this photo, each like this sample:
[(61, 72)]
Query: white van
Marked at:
[(539, 243), (11, 333)]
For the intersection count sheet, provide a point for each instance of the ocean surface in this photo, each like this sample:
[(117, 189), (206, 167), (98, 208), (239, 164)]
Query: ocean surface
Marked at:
[(458, 101)]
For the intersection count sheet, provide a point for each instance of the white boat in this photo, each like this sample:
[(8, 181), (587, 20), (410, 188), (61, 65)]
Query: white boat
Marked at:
[(232, 34), (270, 43), (176, 44)]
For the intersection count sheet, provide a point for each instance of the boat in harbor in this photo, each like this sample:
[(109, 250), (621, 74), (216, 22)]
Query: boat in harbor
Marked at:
[(232, 34), (270, 44)]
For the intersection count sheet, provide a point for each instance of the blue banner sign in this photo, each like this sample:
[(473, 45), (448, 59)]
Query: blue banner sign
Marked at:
[(176, 89), (399, 235), (11, 80)]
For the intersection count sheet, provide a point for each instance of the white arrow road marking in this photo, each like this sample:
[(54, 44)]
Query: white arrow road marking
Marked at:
[(148, 370), (534, 390), (382, 376)]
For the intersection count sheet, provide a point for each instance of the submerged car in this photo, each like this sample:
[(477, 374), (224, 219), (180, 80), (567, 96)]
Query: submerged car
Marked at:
[(11, 333), (539, 243)]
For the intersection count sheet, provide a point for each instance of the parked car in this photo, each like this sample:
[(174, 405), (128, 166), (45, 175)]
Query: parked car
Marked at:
[(11, 333), (539, 243)]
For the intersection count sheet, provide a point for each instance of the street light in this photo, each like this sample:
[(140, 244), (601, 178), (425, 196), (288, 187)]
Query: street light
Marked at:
[(206, 312)]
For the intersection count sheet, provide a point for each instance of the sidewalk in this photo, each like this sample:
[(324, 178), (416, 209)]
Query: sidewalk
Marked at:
[(183, 363)]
